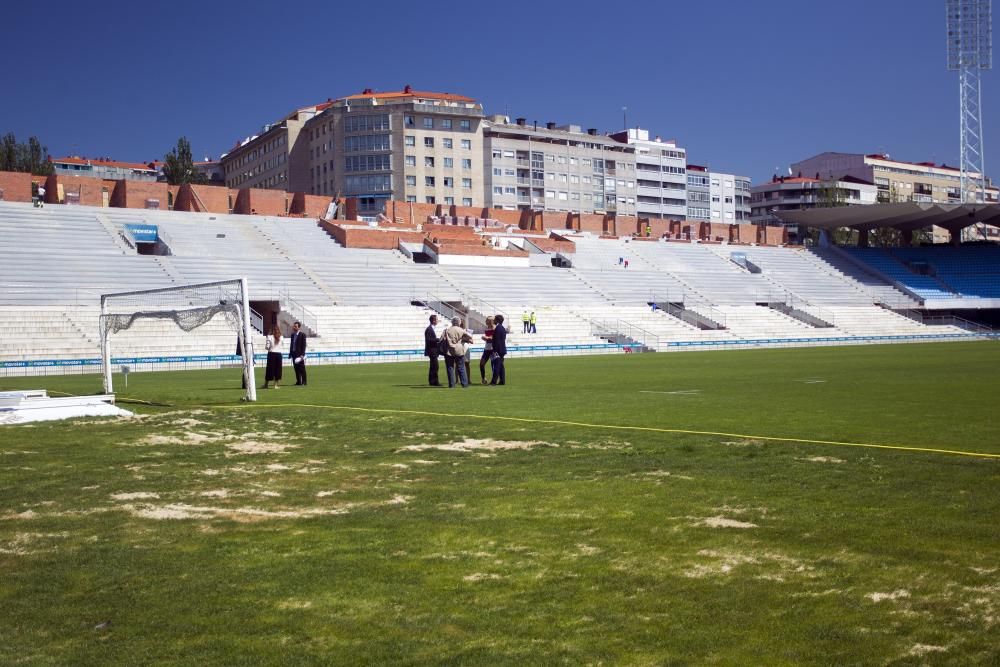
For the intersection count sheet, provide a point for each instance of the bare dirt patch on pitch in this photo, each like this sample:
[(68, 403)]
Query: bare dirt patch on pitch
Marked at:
[(474, 445)]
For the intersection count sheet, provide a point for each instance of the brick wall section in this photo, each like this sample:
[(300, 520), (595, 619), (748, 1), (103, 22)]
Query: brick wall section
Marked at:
[(255, 201), (591, 222), (90, 190), (210, 198), (555, 220), (449, 231), (384, 239), (626, 225), (470, 211), (660, 227), (310, 206), (400, 209), (16, 186), (134, 194), (773, 235), (474, 250), (506, 217)]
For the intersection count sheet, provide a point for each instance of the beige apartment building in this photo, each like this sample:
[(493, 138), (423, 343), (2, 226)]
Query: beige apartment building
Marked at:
[(899, 181), (272, 159), (895, 180), (557, 168), (404, 145)]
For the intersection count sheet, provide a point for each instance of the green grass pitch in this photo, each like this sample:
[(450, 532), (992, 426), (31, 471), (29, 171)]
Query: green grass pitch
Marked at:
[(745, 515)]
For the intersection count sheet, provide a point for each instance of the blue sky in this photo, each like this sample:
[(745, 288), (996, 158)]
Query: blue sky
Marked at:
[(747, 86)]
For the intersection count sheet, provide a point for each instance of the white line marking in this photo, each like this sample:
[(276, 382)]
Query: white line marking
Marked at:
[(812, 381), (682, 392)]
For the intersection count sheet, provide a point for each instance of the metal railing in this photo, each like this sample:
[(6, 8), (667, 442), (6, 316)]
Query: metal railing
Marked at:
[(707, 318), (256, 321), (298, 311), (623, 332)]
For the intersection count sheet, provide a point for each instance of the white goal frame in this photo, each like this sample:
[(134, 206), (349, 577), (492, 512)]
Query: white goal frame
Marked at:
[(189, 306)]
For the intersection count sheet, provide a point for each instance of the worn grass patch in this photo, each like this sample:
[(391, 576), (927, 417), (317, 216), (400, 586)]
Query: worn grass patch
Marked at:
[(212, 533)]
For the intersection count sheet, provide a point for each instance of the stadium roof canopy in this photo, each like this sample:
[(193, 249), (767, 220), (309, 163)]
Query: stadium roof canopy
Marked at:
[(903, 216)]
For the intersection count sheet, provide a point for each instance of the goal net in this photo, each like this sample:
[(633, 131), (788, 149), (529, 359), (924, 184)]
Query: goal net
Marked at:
[(187, 306)]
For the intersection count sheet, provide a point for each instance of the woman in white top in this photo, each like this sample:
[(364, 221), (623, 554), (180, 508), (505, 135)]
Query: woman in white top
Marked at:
[(275, 353)]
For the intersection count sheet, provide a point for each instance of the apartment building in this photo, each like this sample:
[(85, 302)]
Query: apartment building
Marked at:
[(717, 197), (272, 159), (557, 168), (800, 193), (661, 175), (896, 180), (106, 168), (406, 145)]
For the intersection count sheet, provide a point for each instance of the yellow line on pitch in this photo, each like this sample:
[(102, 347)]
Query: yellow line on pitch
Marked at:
[(651, 429)]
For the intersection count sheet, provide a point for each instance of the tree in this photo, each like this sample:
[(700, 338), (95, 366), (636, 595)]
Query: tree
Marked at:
[(31, 157), (179, 165)]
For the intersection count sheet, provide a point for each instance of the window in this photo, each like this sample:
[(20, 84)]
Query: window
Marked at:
[(429, 123), (508, 153), (563, 196), (466, 201), (508, 190), (551, 194), (497, 171), (466, 163), (409, 121), (446, 142), (411, 199), (411, 180), (410, 140), (497, 154), (411, 160), (429, 200), (575, 196), (428, 142), (562, 178), (449, 163), (467, 183), (509, 172), (467, 144), (497, 190), (449, 182), (561, 159), (450, 201), (428, 162), (446, 123), (574, 178), (365, 142), (429, 181), (465, 124), (366, 183), (366, 123), (365, 163)]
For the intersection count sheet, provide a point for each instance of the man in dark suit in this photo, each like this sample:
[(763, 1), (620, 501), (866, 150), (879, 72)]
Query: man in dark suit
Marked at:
[(499, 351), (432, 350), (297, 353)]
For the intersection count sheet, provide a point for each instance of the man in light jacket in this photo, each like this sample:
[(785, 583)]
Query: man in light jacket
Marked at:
[(454, 359)]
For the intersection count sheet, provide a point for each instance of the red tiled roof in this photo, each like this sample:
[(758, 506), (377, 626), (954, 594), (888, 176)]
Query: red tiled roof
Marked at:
[(106, 163), (409, 93)]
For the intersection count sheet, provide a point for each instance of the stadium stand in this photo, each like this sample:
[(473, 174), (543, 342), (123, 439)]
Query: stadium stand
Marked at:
[(367, 304)]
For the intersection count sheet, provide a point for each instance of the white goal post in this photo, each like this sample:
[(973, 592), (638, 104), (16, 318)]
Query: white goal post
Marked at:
[(189, 307)]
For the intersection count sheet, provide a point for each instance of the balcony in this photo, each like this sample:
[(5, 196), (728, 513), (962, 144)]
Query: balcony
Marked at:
[(523, 162)]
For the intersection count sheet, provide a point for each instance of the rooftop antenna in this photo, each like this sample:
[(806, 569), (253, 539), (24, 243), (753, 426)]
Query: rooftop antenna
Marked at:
[(970, 49), (625, 117)]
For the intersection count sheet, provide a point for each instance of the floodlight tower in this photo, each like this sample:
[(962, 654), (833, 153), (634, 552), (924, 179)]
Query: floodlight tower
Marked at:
[(970, 49)]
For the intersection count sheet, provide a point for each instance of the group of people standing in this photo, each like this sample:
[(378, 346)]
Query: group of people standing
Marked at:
[(276, 350), (455, 344), (530, 322)]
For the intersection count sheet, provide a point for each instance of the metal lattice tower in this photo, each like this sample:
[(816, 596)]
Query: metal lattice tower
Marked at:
[(970, 49)]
